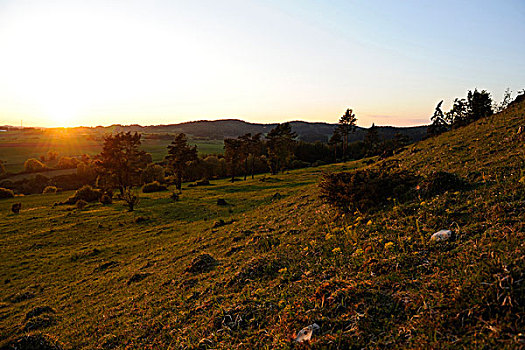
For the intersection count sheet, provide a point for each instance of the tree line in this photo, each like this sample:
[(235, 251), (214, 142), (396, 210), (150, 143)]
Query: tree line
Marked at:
[(122, 164), (477, 105)]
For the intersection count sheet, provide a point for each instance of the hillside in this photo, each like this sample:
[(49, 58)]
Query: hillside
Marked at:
[(282, 259), (220, 129)]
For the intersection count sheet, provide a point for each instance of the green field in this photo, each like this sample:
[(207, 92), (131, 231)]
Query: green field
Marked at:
[(17, 146), (285, 259)]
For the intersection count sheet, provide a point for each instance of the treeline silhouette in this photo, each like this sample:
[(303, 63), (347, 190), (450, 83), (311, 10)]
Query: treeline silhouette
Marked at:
[(122, 164)]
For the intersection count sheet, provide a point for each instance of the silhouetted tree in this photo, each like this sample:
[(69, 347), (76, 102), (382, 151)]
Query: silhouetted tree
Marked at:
[(458, 114), (233, 153), (334, 141), (479, 105), (506, 100), (122, 160), (439, 124), (347, 124), (371, 140), (180, 154), (280, 143), (251, 148)]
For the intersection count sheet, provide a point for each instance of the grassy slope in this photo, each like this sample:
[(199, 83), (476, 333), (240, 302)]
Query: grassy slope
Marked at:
[(369, 280)]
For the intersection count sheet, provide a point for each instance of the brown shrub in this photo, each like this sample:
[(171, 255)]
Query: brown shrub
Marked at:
[(6, 193), (367, 189)]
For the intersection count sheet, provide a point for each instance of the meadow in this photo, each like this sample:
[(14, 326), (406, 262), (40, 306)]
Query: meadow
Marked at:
[(16, 146), (250, 274)]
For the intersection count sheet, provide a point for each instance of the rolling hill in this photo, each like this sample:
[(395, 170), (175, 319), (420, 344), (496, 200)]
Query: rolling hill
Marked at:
[(231, 128), (250, 274)]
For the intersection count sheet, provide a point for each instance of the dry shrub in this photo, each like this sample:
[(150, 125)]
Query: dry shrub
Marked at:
[(106, 199), (154, 186), (367, 189), (81, 204), (85, 193), (439, 182), (50, 189), (15, 208), (6, 193), (131, 199)]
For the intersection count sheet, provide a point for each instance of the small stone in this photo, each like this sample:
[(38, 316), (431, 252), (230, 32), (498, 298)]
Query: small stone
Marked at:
[(306, 333), (442, 235)]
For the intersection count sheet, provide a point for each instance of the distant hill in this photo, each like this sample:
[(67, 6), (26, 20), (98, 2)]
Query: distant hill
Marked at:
[(220, 129)]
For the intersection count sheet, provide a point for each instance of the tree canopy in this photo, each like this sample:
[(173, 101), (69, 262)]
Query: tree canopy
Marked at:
[(180, 153), (122, 160)]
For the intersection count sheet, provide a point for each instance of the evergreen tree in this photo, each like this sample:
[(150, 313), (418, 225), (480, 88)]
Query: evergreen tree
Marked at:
[(458, 114), (280, 142), (233, 152), (347, 124), (334, 141), (479, 105), (372, 140), (439, 124), (122, 160), (251, 148), (180, 154)]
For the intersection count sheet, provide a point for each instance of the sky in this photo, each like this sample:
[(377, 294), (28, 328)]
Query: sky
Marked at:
[(72, 63)]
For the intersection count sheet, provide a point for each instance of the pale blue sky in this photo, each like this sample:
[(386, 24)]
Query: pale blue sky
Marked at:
[(152, 62)]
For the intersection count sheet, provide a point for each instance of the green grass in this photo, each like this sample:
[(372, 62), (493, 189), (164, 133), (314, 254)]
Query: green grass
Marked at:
[(370, 280), (17, 146)]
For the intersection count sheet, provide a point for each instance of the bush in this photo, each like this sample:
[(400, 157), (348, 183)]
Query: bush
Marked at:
[(67, 163), (86, 172), (85, 193), (154, 186), (298, 164), (131, 199), (153, 172), (16, 207), (106, 199), (33, 165), (6, 193), (81, 204), (367, 189), (440, 182), (50, 189)]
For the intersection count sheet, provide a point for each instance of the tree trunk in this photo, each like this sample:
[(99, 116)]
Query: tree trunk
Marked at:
[(179, 181)]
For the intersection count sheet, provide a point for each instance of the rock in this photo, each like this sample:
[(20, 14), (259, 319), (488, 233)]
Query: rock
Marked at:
[(306, 333), (221, 201), (202, 263), (442, 235)]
